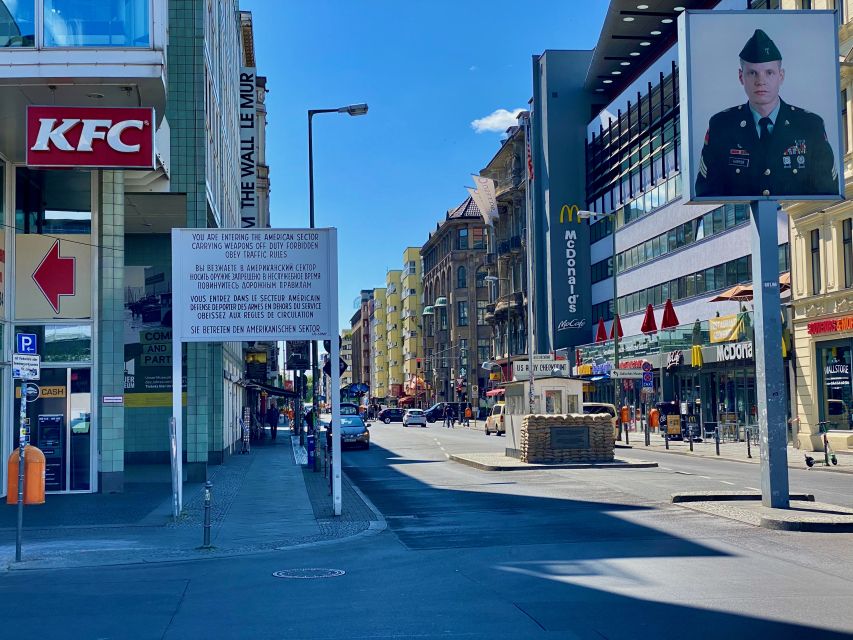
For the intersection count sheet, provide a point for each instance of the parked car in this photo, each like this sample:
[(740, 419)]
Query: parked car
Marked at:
[(435, 412), (603, 407), (495, 421), (354, 432), (391, 415), (414, 417)]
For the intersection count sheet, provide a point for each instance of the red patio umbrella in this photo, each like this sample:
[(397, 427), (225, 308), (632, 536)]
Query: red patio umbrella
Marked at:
[(618, 324), (601, 332), (669, 319), (649, 325)]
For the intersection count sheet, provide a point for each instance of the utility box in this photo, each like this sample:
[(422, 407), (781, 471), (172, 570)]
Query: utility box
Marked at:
[(34, 470)]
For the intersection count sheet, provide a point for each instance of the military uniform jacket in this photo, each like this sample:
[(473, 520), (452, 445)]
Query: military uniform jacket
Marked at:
[(796, 159)]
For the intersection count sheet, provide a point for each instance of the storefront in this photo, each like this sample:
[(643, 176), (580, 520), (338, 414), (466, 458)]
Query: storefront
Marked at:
[(833, 350)]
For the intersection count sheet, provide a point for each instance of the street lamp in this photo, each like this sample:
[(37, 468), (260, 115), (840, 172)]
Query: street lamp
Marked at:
[(359, 109), (612, 217)]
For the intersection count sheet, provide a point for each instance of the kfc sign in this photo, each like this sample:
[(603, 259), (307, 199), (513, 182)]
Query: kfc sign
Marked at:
[(103, 137)]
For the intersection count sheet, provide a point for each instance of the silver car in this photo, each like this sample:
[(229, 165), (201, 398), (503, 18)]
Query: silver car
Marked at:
[(414, 417)]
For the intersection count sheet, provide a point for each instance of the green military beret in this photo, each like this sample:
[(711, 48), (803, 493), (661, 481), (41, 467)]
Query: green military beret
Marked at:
[(760, 48)]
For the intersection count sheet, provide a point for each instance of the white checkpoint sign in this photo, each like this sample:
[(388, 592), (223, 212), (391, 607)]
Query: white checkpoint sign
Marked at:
[(253, 285)]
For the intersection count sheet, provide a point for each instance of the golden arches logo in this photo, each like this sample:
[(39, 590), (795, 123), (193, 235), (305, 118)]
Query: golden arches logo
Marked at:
[(570, 212)]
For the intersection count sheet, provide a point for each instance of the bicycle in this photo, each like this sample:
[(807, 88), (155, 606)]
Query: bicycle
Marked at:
[(828, 453)]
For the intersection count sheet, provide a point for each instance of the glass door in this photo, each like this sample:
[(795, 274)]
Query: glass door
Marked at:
[(60, 426)]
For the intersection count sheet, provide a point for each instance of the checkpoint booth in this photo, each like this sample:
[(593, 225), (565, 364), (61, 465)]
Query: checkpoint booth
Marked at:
[(553, 395)]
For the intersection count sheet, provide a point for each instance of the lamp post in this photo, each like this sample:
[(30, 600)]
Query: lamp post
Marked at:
[(353, 110), (428, 314), (612, 217)]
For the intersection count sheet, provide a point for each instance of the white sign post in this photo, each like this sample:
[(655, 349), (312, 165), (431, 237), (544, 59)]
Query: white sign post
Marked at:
[(254, 285)]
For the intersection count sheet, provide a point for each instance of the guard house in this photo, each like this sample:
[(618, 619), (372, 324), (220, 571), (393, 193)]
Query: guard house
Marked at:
[(554, 395)]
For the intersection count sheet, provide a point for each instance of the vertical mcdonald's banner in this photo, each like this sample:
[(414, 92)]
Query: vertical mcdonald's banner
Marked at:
[(570, 269)]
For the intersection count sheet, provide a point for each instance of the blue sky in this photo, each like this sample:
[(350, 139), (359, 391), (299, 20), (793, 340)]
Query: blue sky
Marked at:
[(427, 69)]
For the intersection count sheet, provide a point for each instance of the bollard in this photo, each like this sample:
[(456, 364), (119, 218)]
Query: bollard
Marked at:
[(648, 435), (748, 446), (717, 438), (207, 487), (666, 440), (690, 437)]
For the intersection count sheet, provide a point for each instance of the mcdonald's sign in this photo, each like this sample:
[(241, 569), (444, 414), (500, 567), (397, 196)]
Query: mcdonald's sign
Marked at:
[(568, 213)]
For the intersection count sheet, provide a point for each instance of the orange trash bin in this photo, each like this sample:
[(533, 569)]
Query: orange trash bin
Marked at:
[(625, 415), (654, 418), (34, 469)]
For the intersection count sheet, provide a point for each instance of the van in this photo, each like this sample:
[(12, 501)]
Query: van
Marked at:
[(603, 407), (495, 421)]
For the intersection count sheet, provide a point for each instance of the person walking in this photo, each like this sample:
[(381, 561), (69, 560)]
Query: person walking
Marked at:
[(272, 419), (446, 415)]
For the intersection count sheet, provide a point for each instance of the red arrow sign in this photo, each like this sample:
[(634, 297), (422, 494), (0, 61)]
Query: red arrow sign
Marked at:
[(55, 276)]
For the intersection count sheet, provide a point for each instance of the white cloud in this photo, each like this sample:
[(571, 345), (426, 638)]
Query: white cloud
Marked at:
[(473, 67), (497, 121)]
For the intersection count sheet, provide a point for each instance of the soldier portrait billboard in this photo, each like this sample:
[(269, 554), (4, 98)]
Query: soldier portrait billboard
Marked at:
[(760, 105)]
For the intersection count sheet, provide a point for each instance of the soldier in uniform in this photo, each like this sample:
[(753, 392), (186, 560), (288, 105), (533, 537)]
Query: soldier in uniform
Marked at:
[(765, 147)]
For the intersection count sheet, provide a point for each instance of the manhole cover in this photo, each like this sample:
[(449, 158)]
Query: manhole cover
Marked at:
[(308, 573)]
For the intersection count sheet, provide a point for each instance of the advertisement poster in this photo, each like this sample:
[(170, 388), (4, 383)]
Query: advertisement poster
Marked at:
[(760, 115), (148, 337)]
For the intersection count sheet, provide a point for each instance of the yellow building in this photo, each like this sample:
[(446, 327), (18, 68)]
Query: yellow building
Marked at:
[(379, 347), (821, 239), (393, 333), (410, 318)]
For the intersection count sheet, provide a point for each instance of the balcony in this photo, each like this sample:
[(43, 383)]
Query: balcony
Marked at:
[(510, 303), (490, 313), (84, 56)]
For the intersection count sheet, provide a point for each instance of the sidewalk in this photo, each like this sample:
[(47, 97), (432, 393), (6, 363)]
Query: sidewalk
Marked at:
[(733, 451), (261, 501)]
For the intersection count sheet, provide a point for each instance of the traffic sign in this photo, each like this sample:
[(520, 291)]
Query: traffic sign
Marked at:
[(647, 366), (626, 374), (26, 366), (26, 343), (648, 379), (32, 392)]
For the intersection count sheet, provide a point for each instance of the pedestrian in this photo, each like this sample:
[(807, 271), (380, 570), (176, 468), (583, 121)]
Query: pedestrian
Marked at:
[(446, 415), (765, 147), (272, 419), (310, 420), (452, 416)]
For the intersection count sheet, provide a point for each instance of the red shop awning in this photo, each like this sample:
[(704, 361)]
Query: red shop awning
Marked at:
[(494, 392)]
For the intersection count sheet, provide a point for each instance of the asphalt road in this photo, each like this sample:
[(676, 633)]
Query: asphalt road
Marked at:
[(470, 554)]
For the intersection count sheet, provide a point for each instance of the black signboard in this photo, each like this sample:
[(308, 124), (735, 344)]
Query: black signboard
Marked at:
[(570, 438)]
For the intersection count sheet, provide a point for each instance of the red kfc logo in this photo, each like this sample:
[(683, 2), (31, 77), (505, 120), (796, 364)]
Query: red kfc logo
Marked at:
[(103, 137)]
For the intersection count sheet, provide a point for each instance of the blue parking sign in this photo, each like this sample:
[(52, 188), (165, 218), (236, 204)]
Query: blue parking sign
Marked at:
[(26, 343)]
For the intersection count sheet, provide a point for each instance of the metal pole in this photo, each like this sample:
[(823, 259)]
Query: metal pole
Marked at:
[(314, 367), (769, 375), (717, 437), (529, 259), (612, 218), (22, 444), (207, 487)]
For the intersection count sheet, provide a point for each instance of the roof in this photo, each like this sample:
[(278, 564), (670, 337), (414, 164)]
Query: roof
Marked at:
[(468, 209), (632, 39)]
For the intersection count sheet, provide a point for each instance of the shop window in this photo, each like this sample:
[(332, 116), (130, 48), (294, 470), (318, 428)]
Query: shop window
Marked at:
[(815, 255), (835, 386), (105, 23), (62, 343), (53, 202)]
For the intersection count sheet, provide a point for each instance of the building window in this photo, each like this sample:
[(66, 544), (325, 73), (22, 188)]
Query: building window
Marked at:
[(463, 352), (481, 277), (815, 245), (484, 349), (462, 238), (478, 238), (106, 23), (462, 313), (481, 312), (847, 251), (461, 277), (442, 319), (17, 24)]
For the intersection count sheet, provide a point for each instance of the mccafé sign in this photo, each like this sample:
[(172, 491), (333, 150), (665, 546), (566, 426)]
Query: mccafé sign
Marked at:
[(102, 137)]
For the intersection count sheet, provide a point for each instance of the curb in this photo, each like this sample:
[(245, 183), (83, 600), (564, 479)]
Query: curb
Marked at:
[(722, 496), (805, 526), (535, 467)]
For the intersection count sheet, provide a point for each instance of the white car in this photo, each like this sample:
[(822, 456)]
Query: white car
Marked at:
[(414, 417)]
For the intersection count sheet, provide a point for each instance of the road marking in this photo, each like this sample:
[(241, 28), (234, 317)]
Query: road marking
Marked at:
[(726, 482), (753, 489), (706, 477), (666, 469), (686, 473)]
